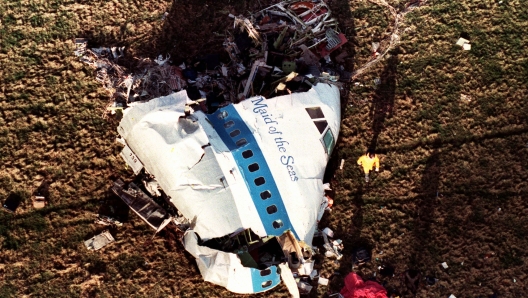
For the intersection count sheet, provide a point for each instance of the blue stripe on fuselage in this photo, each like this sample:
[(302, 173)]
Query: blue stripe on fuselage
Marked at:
[(271, 222), (266, 282)]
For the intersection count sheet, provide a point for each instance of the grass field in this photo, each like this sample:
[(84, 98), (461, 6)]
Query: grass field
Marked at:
[(451, 188)]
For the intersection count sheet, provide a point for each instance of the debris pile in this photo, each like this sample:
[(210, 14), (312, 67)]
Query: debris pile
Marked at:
[(154, 78), (284, 48)]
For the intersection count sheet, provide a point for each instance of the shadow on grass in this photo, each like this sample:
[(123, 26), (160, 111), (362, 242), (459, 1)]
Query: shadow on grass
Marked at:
[(426, 203), (454, 141), (383, 99)]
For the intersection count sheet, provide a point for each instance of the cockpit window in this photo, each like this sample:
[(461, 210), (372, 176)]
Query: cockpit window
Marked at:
[(315, 112), (329, 141), (321, 125)]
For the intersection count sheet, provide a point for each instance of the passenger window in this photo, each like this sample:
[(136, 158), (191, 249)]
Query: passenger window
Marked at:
[(265, 195), (278, 224), (265, 272), (241, 142), (234, 133), (321, 125), (253, 167), (259, 181), (247, 154), (266, 284), (271, 209), (315, 112), (229, 124)]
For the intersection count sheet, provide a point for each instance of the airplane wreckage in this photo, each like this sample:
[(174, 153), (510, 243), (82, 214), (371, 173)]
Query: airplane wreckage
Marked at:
[(240, 169)]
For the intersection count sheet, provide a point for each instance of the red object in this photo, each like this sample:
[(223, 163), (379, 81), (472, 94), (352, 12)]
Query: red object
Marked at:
[(322, 47), (355, 287)]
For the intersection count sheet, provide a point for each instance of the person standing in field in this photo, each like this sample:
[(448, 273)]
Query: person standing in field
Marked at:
[(368, 162)]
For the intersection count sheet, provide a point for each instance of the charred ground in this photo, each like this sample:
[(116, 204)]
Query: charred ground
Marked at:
[(448, 163)]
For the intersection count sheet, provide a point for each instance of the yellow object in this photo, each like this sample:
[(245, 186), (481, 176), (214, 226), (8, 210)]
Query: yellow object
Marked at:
[(368, 163)]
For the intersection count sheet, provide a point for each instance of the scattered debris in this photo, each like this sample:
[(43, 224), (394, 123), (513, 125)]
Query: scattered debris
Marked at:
[(39, 202), (107, 221), (464, 43), (272, 52), (444, 264), (360, 256), (155, 78), (99, 241), (328, 232), (323, 281), (341, 164), (81, 45), (152, 213), (465, 97), (452, 296), (12, 202)]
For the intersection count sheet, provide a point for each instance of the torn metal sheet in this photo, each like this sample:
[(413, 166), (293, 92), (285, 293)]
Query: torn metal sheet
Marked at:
[(152, 213), (99, 241), (287, 278), (225, 269)]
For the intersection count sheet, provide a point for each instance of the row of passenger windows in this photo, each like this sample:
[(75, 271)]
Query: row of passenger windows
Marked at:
[(222, 115), (260, 180), (277, 224), (271, 209)]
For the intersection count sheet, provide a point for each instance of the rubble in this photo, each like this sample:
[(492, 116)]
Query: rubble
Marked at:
[(264, 48)]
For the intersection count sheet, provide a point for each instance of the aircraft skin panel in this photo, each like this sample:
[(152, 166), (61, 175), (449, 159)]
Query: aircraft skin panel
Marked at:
[(263, 283), (249, 216), (170, 148), (260, 182), (292, 146), (225, 269)]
